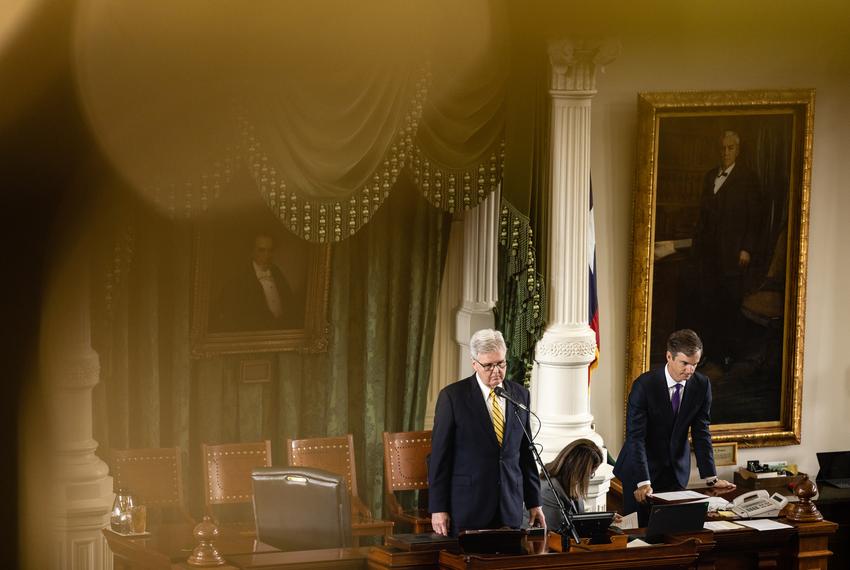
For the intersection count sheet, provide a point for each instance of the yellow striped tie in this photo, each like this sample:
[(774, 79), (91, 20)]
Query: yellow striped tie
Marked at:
[(498, 418)]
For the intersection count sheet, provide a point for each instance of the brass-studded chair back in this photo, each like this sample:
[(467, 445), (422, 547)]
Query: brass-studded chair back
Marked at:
[(228, 490), (406, 471), (154, 477)]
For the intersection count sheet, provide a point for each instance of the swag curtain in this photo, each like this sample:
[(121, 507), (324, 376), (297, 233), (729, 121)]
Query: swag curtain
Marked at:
[(373, 378), (324, 103), (337, 112)]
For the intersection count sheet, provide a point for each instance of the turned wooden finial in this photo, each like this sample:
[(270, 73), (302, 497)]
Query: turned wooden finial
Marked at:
[(205, 554), (804, 510)]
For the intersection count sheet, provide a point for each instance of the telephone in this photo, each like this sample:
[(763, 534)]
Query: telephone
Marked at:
[(758, 503)]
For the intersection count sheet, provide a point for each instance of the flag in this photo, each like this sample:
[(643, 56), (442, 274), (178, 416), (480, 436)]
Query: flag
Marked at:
[(593, 301)]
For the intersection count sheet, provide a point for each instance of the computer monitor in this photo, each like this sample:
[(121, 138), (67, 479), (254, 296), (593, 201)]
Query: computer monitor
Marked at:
[(593, 526), (675, 518), (834, 468)]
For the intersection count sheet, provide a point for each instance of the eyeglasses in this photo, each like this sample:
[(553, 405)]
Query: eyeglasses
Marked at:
[(501, 365)]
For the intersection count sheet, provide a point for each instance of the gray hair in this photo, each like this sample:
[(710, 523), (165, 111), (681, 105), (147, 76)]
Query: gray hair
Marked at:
[(486, 340), (731, 134)]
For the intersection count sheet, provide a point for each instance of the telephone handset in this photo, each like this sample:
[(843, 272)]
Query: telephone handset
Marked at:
[(758, 503)]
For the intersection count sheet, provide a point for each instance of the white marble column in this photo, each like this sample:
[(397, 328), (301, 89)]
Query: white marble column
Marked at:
[(480, 268), (568, 344), (81, 488), (467, 296)]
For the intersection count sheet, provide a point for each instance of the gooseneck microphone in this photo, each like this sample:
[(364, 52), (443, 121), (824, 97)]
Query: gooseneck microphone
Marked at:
[(567, 527), (502, 393)]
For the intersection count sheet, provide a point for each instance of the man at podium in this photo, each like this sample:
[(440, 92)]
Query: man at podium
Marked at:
[(481, 471)]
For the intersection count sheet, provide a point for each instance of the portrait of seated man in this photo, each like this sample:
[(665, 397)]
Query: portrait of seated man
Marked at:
[(256, 295)]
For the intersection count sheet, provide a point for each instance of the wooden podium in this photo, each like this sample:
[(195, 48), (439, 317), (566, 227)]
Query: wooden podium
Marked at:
[(801, 547), (680, 555)]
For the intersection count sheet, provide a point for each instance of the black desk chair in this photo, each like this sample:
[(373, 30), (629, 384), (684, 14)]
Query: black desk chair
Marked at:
[(300, 508)]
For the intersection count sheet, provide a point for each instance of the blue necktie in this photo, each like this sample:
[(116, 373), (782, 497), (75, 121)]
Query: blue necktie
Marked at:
[(677, 398)]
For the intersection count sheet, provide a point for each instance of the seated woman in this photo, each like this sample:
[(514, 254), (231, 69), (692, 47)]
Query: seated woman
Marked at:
[(570, 472)]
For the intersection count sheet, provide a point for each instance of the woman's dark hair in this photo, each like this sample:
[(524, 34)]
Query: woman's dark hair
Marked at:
[(574, 466)]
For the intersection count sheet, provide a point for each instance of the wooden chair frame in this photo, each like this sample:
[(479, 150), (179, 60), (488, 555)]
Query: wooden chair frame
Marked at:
[(154, 476), (406, 469), (336, 455), (227, 471)]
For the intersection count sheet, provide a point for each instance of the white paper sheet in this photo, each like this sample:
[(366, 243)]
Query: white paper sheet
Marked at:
[(764, 524), (627, 522), (679, 495), (636, 543), (720, 526), (715, 503)]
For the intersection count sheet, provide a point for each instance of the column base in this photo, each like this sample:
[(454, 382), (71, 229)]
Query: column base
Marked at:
[(77, 528)]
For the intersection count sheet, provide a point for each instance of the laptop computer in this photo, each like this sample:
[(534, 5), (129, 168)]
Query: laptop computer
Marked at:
[(834, 468), (674, 518)]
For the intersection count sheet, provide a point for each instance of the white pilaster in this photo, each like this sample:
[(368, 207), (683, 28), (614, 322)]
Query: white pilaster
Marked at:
[(480, 292), (568, 344), (444, 361), (81, 485)]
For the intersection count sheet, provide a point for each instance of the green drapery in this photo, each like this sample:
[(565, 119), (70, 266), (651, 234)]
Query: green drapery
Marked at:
[(523, 254), (374, 376)]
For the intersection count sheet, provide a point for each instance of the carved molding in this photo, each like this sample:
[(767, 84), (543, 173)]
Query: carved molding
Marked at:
[(574, 350), (70, 370), (574, 62)]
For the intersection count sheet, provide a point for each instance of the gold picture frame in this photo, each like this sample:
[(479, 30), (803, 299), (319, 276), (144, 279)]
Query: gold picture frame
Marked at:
[(690, 268), (224, 280)]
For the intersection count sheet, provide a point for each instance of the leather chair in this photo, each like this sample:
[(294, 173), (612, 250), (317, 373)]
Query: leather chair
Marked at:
[(154, 477), (336, 455), (228, 491), (299, 508), (406, 471)]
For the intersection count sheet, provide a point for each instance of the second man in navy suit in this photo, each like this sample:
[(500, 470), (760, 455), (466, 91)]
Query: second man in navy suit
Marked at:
[(664, 405), (482, 472)]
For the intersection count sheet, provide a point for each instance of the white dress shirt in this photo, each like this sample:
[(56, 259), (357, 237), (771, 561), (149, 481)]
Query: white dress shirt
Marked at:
[(485, 391), (264, 275), (721, 177)]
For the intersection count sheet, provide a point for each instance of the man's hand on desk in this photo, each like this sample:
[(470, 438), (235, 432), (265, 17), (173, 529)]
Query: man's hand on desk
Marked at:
[(536, 518), (642, 492), (724, 484), (440, 523)]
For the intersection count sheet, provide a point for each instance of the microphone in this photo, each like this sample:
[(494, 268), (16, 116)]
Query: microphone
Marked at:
[(502, 393)]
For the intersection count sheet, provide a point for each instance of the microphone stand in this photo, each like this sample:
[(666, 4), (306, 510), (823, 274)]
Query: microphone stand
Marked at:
[(566, 519)]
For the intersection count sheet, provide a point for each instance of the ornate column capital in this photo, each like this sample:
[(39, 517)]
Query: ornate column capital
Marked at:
[(577, 349), (574, 62)]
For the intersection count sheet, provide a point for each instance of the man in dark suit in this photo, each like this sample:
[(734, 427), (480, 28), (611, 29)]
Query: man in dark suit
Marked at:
[(258, 297), (664, 404), (725, 242), (482, 472)]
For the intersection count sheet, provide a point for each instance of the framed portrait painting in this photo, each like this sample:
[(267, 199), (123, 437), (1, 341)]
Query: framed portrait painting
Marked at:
[(721, 215), (256, 287)]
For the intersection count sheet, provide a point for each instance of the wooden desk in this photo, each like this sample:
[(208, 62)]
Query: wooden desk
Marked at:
[(802, 547), (680, 555), (834, 504), (168, 547)]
